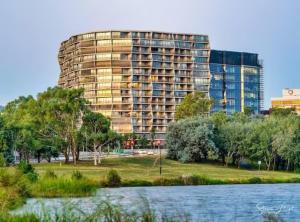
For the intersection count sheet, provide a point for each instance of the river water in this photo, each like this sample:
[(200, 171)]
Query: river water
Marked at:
[(240, 203)]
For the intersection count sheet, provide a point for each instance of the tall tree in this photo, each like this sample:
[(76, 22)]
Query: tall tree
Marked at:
[(59, 112), (193, 104), (97, 127)]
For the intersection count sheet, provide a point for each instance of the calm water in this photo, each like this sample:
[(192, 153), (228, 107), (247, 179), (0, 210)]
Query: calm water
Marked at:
[(203, 203)]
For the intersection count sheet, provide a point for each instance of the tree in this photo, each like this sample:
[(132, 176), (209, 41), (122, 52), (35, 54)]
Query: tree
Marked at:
[(249, 111), (143, 142), (235, 136), (193, 104), (97, 127), (263, 146), (152, 136), (59, 113), (20, 126), (190, 140), (282, 111), (219, 119)]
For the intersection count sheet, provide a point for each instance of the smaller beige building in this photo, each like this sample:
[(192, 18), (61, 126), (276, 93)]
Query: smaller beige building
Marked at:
[(290, 99)]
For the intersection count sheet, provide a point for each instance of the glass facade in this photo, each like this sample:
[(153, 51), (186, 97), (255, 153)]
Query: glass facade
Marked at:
[(235, 81)]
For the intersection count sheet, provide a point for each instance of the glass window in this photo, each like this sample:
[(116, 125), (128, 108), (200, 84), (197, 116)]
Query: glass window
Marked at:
[(104, 42), (122, 42), (103, 35), (103, 56)]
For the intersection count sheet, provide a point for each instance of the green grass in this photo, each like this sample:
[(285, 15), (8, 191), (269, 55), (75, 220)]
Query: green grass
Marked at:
[(147, 169), (63, 187)]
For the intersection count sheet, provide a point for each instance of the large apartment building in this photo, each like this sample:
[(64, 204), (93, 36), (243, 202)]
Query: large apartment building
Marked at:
[(136, 78)]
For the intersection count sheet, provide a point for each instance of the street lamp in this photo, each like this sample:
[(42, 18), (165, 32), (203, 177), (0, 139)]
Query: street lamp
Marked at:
[(158, 142)]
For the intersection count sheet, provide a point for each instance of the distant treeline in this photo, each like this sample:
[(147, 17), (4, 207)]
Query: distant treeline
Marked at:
[(241, 140)]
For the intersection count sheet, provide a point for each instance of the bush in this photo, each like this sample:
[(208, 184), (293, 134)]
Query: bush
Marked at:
[(5, 178), (2, 160), (167, 181), (297, 170), (294, 180), (28, 170), (255, 180), (50, 174), (77, 175), (136, 183), (23, 186), (113, 179), (25, 167), (32, 176)]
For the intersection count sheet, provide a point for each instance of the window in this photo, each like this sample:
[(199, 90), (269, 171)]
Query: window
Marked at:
[(88, 36), (250, 70), (104, 43), (123, 42), (200, 66), (103, 35), (104, 71), (103, 56), (200, 59), (200, 45)]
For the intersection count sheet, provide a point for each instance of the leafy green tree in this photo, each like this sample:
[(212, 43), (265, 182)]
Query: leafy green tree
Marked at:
[(282, 111), (152, 137), (97, 127), (264, 146), (235, 136), (190, 140), (193, 104), (59, 113), (143, 142), (20, 126), (248, 111), (219, 119)]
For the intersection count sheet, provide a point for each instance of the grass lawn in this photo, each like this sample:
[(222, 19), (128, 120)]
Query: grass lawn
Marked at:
[(147, 168)]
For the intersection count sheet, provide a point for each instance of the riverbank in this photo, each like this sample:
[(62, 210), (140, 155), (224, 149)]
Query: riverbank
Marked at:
[(82, 180)]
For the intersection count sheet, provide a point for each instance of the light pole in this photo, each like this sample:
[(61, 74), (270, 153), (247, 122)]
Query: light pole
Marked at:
[(158, 144)]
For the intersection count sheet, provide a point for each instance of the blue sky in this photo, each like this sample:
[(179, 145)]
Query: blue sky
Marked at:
[(31, 32)]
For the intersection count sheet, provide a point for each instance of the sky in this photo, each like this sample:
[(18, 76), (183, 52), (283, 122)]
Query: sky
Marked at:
[(32, 30)]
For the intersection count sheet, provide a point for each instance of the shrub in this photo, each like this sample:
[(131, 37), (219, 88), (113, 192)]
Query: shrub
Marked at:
[(23, 186), (2, 160), (32, 176), (168, 181), (77, 175), (50, 174), (113, 179), (294, 180), (28, 170), (136, 183), (297, 170), (255, 180), (5, 178), (25, 167)]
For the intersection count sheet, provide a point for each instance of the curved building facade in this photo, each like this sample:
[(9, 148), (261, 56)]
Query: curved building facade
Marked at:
[(136, 78)]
